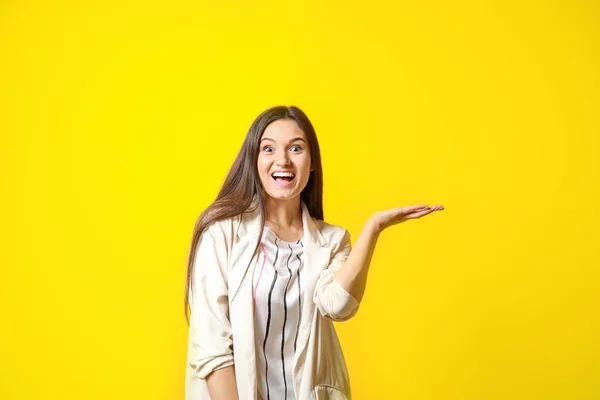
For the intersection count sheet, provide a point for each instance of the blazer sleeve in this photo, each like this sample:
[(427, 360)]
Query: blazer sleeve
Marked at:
[(332, 300), (211, 339)]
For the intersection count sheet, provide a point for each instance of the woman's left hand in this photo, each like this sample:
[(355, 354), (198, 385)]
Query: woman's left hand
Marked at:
[(385, 219)]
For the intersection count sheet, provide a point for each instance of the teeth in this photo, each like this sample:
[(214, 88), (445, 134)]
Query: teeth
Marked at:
[(283, 174)]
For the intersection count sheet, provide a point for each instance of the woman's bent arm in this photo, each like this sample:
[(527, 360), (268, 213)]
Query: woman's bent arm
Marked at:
[(352, 275), (222, 384)]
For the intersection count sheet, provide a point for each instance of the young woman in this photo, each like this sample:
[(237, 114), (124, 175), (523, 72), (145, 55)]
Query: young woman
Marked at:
[(267, 275)]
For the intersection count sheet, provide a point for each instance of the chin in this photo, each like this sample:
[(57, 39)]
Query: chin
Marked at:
[(282, 196)]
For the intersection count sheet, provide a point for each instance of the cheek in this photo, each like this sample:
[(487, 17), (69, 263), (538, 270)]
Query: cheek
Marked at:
[(262, 166), (306, 164), (305, 168)]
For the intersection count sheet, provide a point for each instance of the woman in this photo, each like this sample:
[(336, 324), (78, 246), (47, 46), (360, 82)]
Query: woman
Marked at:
[(267, 276)]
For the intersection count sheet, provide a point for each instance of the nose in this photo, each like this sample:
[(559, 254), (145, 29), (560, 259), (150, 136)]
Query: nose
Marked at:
[(283, 158)]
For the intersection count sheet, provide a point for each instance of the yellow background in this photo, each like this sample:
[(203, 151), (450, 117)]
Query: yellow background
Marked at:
[(119, 121)]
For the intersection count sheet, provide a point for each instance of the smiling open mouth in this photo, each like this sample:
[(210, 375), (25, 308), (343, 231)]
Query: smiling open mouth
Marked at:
[(283, 178)]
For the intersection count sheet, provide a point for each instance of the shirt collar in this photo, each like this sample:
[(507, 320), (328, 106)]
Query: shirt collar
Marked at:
[(250, 224)]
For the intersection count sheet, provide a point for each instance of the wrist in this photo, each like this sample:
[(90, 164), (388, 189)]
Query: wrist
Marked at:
[(373, 226)]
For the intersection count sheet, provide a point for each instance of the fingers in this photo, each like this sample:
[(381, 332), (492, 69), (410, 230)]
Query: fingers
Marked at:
[(420, 207), (416, 208), (419, 212)]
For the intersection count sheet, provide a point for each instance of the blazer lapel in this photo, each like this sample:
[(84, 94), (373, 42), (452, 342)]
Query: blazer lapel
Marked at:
[(242, 252), (317, 254), (241, 302)]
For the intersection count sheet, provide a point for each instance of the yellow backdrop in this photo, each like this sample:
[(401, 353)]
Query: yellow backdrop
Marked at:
[(120, 119)]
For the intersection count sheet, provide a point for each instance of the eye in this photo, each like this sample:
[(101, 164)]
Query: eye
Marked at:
[(268, 149), (297, 148)]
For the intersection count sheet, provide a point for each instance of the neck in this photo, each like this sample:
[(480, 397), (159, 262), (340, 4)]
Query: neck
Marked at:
[(284, 213)]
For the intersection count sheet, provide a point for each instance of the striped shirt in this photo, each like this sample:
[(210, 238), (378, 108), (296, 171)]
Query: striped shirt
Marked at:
[(277, 283)]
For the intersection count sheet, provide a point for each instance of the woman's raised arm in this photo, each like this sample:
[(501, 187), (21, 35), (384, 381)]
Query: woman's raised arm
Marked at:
[(352, 275)]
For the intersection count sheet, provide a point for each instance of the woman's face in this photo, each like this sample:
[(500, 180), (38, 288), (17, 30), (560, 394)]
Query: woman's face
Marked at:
[(283, 160)]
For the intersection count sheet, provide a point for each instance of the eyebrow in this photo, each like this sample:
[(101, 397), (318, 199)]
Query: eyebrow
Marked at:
[(291, 141)]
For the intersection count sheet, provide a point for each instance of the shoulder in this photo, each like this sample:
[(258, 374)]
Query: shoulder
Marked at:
[(332, 233), (224, 228), (219, 236)]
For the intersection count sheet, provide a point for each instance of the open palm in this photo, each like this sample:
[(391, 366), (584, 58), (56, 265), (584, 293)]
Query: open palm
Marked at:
[(393, 216)]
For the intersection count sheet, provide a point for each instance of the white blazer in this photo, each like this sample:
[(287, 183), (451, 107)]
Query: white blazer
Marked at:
[(222, 322)]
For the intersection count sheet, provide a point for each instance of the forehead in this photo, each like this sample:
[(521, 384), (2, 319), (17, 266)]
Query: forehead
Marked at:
[(282, 130)]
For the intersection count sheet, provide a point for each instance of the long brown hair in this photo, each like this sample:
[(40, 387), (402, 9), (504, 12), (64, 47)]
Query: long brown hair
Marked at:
[(242, 184)]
